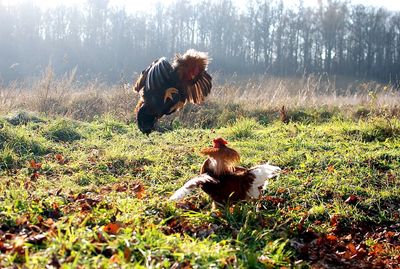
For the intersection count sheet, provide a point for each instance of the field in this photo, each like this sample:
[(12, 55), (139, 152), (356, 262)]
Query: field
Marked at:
[(82, 187)]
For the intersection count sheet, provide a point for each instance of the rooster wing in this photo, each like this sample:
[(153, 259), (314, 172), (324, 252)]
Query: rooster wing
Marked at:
[(192, 184), (261, 174), (197, 92)]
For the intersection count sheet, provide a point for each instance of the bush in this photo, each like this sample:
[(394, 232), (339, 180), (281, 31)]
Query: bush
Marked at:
[(243, 128), (63, 131), (23, 117)]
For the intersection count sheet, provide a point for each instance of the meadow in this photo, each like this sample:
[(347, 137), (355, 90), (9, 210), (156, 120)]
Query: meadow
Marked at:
[(81, 187)]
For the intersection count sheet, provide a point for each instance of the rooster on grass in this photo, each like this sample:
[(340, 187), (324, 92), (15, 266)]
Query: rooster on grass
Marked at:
[(223, 181), (165, 88)]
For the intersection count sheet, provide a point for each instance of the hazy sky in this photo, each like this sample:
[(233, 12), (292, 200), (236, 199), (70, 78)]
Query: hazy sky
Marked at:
[(139, 5)]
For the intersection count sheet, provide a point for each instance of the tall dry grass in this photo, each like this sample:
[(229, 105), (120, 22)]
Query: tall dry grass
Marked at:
[(259, 96), (67, 97), (264, 92)]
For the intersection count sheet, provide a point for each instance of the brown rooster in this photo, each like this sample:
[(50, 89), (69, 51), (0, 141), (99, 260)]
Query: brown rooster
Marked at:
[(166, 88), (223, 181)]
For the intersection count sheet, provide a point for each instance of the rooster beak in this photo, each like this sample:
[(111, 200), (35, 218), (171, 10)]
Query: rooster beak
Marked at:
[(193, 76)]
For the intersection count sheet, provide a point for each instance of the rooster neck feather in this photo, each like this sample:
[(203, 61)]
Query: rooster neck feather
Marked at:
[(222, 160)]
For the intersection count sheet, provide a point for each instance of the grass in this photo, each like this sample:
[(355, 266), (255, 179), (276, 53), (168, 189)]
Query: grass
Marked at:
[(307, 99), (81, 187), (104, 172)]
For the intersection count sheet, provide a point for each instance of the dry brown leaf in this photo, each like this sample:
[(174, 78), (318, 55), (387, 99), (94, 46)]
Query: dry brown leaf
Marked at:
[(266, 260), (334, 220), (35, 176), (352, 199), (60, 159), (376, 249), (22, 220), (34, 165), (127, 254), (331, 237), (112, 228), (330, 169), (352, 248), (18, 245), (115, 258)]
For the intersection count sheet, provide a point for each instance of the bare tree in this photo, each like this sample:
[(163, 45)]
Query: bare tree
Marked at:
[(262, 37)]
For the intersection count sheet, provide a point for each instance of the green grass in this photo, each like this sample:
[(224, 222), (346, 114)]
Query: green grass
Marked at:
[(105, 164)]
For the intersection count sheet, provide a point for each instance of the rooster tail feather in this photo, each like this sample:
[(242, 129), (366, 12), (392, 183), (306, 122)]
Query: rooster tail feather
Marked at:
[(180, 193)]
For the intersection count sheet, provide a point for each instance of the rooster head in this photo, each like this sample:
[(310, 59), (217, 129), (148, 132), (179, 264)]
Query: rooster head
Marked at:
[(190, 65), (219, 142), (146, 121), (225, 156)]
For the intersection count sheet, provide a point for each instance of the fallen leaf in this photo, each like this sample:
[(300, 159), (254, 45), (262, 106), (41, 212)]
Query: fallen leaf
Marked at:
[(352, 199), (127, 254), (60, 159), (334, 220), (187, 205), (352, 248), (281, 190), (35, 176), (49, 222), (19, 243), (390, 234), (115, 258), (139, 190), (330, 169), (376, 249), (297, 208), (229, 262), (34, 165), (266, 260), (112, 228), (331, 237), (22, 220)]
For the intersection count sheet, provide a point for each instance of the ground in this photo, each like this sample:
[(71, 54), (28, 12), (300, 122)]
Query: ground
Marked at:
[(80, 194)]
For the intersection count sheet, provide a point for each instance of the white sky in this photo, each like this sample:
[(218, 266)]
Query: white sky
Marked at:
[(143, 5)]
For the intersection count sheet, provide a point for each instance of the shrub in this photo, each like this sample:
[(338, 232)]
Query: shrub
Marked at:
[(63, 131), (243, 128)]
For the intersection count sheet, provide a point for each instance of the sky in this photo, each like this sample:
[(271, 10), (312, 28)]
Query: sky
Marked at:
[(143, 5)]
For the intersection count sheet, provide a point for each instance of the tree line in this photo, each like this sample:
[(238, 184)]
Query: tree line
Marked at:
[(264, 37)]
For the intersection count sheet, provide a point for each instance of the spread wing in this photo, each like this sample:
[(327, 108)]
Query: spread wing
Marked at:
[(140, 82), (191, 185), (261, 174), (159, 76), (155, 77), (197, 92)]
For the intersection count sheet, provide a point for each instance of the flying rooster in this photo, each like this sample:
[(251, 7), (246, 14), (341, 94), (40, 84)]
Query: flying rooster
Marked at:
[(165, 88), (222, 180)]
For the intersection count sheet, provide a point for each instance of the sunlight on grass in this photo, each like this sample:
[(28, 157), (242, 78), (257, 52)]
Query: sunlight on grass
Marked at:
[(338, 174)]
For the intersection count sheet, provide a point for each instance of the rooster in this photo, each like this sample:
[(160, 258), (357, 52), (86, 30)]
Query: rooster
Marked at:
[(222, 180), (166, 88)]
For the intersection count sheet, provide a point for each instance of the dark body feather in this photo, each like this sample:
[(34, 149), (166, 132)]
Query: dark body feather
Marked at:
[(230, 187), (165, 88)]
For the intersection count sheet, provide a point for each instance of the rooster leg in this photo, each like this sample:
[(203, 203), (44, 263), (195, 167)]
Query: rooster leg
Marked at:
[(168, 94), (177, 107)]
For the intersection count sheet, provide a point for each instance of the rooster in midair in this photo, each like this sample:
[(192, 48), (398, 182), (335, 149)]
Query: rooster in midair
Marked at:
[(222, 180), (165, 88)]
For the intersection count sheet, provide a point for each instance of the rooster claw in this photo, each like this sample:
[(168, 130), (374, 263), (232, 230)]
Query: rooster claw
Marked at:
[(168, 94)]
